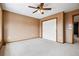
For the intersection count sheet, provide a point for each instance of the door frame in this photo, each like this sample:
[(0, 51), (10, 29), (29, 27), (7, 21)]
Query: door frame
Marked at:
[(73, 27), (42, 27)]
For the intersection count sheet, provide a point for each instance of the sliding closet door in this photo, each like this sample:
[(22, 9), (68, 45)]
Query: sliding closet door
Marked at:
[(49, 29)]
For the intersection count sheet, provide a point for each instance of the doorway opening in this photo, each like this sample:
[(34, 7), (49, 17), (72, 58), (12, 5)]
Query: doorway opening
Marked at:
[(76, 29)]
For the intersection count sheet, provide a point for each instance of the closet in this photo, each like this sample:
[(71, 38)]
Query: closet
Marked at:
[(49, 29)]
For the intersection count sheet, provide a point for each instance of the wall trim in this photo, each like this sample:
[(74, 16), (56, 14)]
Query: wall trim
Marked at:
[(23, 39)]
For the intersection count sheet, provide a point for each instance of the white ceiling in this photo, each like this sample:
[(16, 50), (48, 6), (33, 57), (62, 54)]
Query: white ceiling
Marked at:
[(22, 8)]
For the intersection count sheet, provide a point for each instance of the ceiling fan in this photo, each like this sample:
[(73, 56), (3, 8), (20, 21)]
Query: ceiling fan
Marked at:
[(40, 8)]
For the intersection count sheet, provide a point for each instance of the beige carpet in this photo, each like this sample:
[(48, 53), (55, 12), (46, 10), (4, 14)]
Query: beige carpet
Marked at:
[(40, 47)]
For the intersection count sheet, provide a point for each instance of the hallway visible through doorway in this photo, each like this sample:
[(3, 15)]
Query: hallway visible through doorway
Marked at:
[(76, 29)]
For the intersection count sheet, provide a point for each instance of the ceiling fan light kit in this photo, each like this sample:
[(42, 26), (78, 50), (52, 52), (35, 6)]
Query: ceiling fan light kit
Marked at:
[(40, 8)]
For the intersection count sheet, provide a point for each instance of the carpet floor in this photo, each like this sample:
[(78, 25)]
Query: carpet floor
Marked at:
[(40, 47)]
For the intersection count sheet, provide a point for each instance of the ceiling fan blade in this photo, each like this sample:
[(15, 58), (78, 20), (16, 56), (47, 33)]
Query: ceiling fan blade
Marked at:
[(35, 11), (47, 8), (32, 7)]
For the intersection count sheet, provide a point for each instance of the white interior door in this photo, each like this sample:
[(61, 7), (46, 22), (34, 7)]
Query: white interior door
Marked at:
[(49, 29)]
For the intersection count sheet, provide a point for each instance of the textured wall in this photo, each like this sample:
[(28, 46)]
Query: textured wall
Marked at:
[(19, 27), (0, 24)]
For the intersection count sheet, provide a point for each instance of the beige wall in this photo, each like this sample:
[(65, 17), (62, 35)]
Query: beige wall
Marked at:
[(69, 20), (19, 27), (0, 24), (60, 24), (0, 27)]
